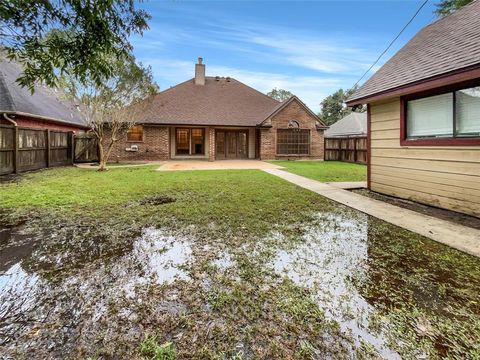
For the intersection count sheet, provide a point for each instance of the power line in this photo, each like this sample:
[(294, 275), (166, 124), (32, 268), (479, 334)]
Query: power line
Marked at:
[(391, 43)]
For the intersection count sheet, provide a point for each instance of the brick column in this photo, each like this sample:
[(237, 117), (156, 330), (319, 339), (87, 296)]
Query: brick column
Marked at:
[(211, 144)]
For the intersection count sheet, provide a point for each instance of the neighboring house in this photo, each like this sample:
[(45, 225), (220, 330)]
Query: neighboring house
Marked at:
[(352, 125), (424, 116), (218, 118), (44, 109)]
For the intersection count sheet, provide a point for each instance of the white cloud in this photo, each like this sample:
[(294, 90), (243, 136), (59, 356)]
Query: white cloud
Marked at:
[(310, 89)]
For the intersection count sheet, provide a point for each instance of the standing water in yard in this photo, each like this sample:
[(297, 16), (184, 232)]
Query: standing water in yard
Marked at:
[(241, 265), (367, 287)]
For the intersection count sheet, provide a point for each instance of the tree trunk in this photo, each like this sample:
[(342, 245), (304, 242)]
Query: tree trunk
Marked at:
[(101, 157)]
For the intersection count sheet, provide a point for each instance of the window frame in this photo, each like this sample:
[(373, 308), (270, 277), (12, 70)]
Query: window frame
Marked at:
[(440, 141), (190, 141), (294, 130), (143, 134)]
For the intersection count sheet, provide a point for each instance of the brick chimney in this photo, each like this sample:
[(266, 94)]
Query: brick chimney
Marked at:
[(200, 72)]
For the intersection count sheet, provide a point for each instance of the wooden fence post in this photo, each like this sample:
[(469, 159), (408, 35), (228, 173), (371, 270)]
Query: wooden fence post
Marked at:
[(355, 150), (47, 134), (16, 140), (71, 147)]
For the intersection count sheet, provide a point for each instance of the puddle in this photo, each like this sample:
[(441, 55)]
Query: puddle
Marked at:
[(332, 249), (32, 303), (223, 262)]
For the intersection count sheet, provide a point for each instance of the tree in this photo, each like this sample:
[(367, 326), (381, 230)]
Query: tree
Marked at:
[(333, 107), (90, 33), (446, 7), (112, 107), (280, 94)]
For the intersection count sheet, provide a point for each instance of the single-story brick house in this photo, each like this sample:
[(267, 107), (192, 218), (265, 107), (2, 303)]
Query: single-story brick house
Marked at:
[(44, 109), (216, 118), (424, 116)]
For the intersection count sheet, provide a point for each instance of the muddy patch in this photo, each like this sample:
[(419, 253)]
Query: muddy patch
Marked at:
[(157, 200)]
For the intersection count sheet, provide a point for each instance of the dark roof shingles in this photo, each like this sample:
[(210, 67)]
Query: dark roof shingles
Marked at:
[(44, 102), (218, 102), (449, 44)]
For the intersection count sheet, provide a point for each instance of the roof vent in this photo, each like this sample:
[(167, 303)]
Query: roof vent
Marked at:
[(217, 78), (228, 79)]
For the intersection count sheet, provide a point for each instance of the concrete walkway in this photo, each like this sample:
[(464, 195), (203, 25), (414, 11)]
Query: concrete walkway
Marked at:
[(349, 185), (457, 236), (178, 165)]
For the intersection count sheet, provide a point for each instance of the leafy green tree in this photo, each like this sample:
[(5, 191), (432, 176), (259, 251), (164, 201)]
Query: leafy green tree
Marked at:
[(333, 107), (88, 34), (114, 105), (280, 94), (446, 7)]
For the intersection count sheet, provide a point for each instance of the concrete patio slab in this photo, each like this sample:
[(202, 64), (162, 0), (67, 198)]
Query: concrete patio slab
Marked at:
[(179, 165), (460, 237), (349, 185), (94, 166)]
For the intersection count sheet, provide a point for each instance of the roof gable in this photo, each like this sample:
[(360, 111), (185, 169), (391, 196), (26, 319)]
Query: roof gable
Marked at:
[(284, 104), (447, 45), (44, 103)]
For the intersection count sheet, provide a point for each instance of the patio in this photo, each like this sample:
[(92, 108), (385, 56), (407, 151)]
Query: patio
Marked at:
[(176, 165)]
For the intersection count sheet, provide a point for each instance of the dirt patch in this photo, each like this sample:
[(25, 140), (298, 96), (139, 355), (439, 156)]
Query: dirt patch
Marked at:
[(443, 214), (157, 200)]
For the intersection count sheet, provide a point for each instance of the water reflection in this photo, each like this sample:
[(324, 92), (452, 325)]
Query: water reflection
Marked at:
[(46, 311)]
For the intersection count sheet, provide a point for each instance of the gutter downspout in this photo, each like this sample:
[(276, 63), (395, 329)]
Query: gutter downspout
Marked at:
[(10, 119)]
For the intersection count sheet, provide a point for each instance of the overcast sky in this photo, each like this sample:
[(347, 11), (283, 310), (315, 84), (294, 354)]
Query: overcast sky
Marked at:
[(310, 48)]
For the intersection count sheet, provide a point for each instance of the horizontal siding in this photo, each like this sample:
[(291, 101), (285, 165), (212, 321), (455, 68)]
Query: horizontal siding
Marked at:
[(447, 177)]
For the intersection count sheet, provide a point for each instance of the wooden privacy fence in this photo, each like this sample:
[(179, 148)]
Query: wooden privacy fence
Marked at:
[(85, 148), (348, 149), (24, 149)]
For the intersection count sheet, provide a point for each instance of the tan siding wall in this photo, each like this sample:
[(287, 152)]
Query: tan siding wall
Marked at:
[(447, 177)]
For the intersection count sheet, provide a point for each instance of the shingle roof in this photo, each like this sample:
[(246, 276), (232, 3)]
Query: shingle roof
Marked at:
[(449, 44), (221, 101), (354, 124), (44, 102)]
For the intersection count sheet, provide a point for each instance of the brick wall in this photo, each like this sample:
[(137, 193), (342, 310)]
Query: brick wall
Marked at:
[(293, 111), (155, 146), (211, 144), (34, 123)]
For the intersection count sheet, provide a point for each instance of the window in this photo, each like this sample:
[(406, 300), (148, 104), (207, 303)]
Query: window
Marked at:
[(449, 118), (293, 142), (467, 106), (190, 141), (135, 133)]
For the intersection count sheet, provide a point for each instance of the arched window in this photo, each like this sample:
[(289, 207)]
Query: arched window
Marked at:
[(293, 124)]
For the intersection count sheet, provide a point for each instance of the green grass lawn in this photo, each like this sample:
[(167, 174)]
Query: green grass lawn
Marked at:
[(87, 248), (325, 171)]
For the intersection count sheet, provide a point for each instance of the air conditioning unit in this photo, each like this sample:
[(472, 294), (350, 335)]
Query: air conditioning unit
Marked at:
[(132, 148)]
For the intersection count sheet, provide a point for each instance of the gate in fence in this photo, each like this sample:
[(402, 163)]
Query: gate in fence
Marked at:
[(85, 148), (24, 149), (348, 149)]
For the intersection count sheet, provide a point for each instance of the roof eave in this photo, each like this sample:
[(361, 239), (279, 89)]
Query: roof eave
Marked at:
[(45, 118), (457, 76)]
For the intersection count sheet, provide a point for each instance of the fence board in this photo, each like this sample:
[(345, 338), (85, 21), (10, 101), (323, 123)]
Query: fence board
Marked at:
[(7, 147), (348, 149), (24, 149), (86, 148)]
